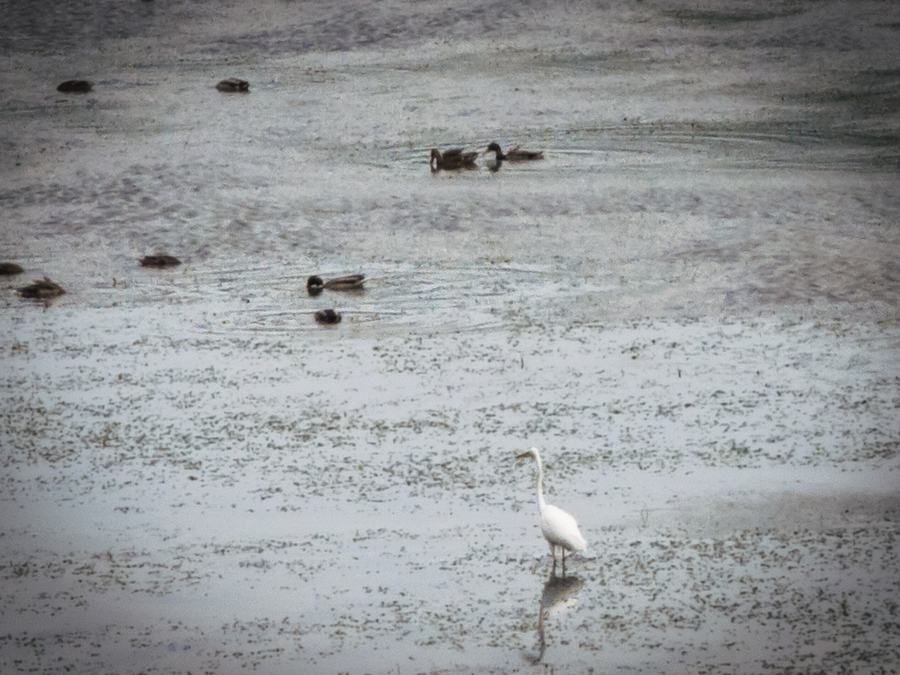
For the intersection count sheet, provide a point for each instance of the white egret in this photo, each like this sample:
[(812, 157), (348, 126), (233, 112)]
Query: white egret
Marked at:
[(559, 527)]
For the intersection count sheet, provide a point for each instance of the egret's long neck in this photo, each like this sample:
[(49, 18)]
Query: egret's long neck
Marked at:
[(540, 485)]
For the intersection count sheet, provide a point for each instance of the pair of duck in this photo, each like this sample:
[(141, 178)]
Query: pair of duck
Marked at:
[(315, 285), (228, 85), (41, 289), (459, 159)]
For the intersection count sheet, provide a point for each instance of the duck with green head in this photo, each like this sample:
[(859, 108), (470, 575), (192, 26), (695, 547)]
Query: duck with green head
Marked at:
[(351, 282)]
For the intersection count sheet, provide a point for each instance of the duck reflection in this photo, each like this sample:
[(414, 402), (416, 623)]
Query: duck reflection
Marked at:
[(559, 593)]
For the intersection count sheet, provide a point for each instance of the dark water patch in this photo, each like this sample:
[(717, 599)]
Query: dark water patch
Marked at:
[(80, 26), (868, 101), (601, 63), (351, 27), (881, 73), (162, 206), (755, 144), (734, 18), (828, 41), (887, 161)]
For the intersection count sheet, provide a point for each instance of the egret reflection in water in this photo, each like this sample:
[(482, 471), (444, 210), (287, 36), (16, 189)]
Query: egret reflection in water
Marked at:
[(558, 595)]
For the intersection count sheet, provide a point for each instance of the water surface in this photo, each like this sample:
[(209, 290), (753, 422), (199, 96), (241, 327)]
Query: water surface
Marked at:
[(690, 305)]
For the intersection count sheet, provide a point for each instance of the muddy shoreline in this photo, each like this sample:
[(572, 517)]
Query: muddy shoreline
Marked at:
[(344, 528)]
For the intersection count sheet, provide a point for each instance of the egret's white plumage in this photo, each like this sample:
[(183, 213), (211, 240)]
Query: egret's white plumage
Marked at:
[(559, 527)]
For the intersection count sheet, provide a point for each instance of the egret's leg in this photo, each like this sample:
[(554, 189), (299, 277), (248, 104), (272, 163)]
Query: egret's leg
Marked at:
[(563, 550)]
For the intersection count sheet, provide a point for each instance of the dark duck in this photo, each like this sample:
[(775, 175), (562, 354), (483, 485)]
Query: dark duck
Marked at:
[(452, 159)]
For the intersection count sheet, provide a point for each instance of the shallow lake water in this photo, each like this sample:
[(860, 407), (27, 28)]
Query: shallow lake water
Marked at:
[(690, 305)]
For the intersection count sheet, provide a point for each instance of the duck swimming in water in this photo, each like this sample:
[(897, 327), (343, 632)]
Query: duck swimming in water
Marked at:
[(42, 288), (328, 316), (75, 87), (452, 159), (351, 282), (233, 84), (160, 260), (10, 268), (515, 154)]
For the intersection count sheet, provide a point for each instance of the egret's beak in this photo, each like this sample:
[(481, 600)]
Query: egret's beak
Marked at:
[(524, 455)]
